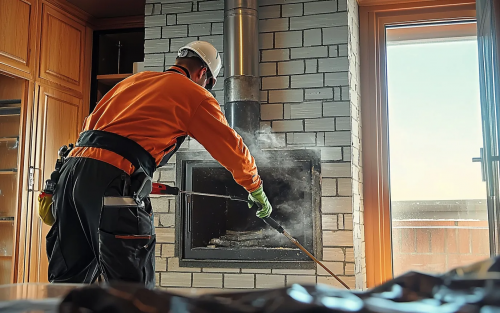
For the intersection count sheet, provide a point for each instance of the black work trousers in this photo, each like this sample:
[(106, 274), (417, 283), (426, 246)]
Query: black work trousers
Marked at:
[(97, 229)]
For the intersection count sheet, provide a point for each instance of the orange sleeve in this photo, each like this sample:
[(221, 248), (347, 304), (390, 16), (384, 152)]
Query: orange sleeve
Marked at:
[(209, 127)]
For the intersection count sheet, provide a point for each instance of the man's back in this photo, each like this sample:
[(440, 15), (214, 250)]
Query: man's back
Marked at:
[(151, 108)]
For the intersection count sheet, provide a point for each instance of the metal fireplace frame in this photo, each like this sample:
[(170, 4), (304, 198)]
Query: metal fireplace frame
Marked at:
[(185, 158)]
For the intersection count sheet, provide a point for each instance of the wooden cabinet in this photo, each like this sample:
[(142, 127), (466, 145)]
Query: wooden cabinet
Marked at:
[(46, 52), (17, 29), (116, 51), (59, 121), (62, 53), (12, 107), (45, 64)]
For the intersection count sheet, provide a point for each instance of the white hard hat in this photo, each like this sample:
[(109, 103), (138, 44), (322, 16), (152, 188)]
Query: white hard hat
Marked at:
[(208, 54)]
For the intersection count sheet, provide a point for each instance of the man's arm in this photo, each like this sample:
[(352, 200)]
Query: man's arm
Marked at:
[(209, 127)]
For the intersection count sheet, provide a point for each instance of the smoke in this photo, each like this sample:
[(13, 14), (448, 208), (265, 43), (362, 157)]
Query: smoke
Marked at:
[(264, 144), (292, 201), (263, 139), (266, 139), (296, 220)]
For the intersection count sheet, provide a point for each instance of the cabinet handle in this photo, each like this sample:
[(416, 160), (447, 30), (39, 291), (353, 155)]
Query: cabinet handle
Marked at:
[(31, 179)]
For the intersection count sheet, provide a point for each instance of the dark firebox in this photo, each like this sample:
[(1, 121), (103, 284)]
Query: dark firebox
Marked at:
[(216, 231)]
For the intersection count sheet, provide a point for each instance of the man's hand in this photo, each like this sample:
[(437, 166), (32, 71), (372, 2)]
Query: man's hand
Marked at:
[(259, 197)]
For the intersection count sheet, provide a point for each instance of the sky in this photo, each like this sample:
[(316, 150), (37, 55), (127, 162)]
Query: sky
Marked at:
[(434, 121)]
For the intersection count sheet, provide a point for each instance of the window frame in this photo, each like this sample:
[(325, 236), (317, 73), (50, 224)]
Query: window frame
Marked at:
[(375, 142)]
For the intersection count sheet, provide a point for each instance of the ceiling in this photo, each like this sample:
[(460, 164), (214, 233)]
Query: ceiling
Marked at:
[(120, 8), (110, 8)]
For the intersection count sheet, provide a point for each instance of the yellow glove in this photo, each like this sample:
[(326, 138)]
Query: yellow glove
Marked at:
[(45, 208)]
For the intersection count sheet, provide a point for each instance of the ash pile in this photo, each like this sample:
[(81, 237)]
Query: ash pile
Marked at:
[(250, 239)]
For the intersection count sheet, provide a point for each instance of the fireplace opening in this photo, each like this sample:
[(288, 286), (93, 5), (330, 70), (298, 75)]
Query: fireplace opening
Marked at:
[(216, 229)]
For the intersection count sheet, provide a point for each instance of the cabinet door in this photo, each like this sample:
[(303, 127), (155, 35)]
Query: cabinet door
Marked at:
[(58, 123), (13, 96), (17, 21), (27, 134), (62, 49)]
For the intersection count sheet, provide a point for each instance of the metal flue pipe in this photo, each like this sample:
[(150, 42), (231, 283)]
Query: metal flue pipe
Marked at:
[(241, 66)]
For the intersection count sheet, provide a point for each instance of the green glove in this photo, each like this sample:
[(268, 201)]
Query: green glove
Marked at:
[(259, 197)]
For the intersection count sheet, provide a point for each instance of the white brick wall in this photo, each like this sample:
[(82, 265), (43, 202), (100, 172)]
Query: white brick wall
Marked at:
[(290, 95), (336, 79), (271, 111), (307, 80), (320, 7), (268, 69), (276, 82), (336, 109), (329, 222), (157, 20), (340, 64), (298, 279), (331, 154), (336, 204), (338, 138), (309, 52), (269, 281), (291, 67), (335, 35), (311, 66), (288, 39), (239, 280), (289, 10), (301, 139), (333, 254), (357, 254), (328, 187), (288, 126), (207, 280), (270, 12), (177, 31), (152, 33), (310, 98), (319, 20), (305, 110), (272, 25), (312, 37), (275, 55), (319, 93)]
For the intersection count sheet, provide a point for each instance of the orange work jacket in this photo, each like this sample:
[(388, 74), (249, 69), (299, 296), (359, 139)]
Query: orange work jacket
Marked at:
[(154, 109)]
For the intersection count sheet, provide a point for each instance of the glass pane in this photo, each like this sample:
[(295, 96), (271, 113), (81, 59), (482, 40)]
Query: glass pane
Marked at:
[(438, 198), (10, 118)]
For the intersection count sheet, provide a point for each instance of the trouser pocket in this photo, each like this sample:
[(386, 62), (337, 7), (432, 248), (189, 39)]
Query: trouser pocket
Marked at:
[(127, 257), (121, 215), (127, 241)]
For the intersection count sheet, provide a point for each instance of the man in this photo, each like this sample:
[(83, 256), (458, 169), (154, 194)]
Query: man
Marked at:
[(135, 128)]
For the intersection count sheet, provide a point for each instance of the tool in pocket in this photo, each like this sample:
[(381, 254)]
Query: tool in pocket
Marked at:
[(45, 197)]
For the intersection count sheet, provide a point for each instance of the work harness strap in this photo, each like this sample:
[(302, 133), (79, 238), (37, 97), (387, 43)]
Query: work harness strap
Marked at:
[(120, 145), (177, 145)]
